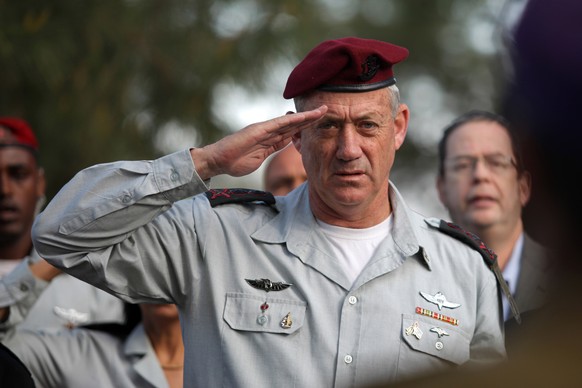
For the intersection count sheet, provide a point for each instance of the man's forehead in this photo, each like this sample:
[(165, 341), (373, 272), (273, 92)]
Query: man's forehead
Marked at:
[(375, 102), (480, 135), (11, 155)]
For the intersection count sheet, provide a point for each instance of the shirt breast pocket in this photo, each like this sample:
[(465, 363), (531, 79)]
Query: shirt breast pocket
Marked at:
[(435, 338), (245, 312)]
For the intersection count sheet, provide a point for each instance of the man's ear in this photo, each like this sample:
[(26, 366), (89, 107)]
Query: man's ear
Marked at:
[(401, 125), (41, 183), (524, 188)]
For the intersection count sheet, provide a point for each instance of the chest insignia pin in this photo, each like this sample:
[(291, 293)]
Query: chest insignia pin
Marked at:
[(267, 285), (414, 330), (440, 332), (286, 322), (440, 300)]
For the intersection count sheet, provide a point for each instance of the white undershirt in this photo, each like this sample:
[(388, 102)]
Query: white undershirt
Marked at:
[(353, 248)]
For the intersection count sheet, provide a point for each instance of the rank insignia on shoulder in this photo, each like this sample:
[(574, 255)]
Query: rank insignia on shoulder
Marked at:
[(222, 196), (467, 237), (488, 255)]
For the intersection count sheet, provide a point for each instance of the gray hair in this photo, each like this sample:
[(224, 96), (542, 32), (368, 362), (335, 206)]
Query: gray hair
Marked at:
[(393, 95)]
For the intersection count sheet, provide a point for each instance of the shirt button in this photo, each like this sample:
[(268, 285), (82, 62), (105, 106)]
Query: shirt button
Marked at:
[(126, 198), (352, 300), (348, 359), (262, 320), (174, 176), (23, 287)]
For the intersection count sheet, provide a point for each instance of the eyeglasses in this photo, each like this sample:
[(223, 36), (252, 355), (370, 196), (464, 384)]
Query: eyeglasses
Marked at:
[(495, 163)]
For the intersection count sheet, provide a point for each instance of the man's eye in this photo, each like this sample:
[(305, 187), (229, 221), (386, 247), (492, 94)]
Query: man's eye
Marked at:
[(327, 125), (19, 174), (368, 128), (461, 166)]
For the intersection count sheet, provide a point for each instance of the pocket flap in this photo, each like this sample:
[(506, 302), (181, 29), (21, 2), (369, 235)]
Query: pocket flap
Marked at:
[(243, 312), (439, 339)]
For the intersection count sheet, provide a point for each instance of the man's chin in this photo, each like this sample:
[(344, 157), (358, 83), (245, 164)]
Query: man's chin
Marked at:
[(9, 234), (350, 196)]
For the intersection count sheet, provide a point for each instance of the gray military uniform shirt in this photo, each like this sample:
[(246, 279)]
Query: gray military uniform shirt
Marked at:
[(132, 228), (89, 359), (64, 302)]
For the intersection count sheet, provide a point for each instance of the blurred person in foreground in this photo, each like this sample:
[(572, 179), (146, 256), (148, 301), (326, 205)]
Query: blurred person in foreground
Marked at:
[(542, 102), (545, 114), (284, 171), (144, 353), (33, 293), (13, 373), (337, 283), (484, 185)]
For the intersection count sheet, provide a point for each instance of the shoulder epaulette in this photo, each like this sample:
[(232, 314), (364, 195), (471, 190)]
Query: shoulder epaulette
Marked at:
[(488, 255), (222, 196)]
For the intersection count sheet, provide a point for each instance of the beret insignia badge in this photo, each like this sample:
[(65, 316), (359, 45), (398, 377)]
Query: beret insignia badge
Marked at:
[(369, 68)]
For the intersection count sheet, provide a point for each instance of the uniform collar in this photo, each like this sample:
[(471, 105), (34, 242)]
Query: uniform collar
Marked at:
[(295, 222)]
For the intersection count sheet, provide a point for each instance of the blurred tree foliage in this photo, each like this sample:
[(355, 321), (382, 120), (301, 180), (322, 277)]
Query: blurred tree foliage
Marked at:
[(98, 78)]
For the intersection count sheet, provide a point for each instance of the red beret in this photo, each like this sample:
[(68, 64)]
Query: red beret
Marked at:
[(15, 131), (346, 65)]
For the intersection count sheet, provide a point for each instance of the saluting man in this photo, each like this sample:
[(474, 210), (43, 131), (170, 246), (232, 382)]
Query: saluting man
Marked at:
[(338, 283)]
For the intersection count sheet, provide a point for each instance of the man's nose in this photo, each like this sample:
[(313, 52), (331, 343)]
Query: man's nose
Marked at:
[(348, 147), (481, 169), (5, 185)]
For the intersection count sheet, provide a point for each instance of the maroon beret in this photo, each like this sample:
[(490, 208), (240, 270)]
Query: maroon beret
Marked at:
[(17, 132), (346, 65)]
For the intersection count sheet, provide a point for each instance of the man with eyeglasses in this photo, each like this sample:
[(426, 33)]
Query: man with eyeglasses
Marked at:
[(484, 186)]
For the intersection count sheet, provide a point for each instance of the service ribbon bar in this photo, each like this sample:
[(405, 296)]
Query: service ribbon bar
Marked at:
[(435, 315)]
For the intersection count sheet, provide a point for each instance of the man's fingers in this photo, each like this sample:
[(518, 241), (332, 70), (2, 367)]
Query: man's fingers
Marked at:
[(302, 117), (291, 122)]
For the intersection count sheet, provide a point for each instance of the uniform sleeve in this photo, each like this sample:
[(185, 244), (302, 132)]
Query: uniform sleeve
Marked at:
[(103, 226)]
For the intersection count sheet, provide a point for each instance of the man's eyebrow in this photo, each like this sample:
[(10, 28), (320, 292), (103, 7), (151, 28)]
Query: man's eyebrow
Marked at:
[(14, 165)]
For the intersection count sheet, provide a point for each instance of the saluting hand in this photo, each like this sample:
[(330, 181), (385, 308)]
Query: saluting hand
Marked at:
[(244, 151)]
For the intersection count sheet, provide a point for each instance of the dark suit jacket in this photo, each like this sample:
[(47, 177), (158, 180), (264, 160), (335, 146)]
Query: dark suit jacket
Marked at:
[(533, 288), (533, 281)]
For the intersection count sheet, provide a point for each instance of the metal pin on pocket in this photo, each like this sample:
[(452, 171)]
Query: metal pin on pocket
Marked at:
[(414, 330), (262, 319), (286, 322)]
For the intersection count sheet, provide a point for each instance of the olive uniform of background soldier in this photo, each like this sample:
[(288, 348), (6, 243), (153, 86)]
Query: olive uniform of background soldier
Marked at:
[(338, 283)]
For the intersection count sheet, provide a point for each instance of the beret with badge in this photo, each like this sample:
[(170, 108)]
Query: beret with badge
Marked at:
[(16, 132), (345, 65)]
